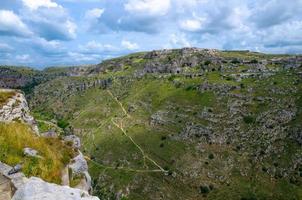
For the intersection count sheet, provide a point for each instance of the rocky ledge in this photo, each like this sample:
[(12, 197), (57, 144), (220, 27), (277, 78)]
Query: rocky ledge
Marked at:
[(16, 109)]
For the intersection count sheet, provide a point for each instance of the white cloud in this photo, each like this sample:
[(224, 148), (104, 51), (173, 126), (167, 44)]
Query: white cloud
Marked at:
[(35, 4), (129, 45), (23, 58), (51, 23), (192, 25), (11, 24), (148, 7), (178, 40), (5, 47), (95, 47), (79, 57), (71, 28), (94, 13)]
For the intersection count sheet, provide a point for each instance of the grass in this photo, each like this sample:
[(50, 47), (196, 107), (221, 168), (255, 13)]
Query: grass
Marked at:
[(4, 96), (90, 112), (55, 154)]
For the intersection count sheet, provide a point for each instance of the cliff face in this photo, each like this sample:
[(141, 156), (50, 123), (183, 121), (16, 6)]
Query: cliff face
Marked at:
[(13, 183), (16, 109)]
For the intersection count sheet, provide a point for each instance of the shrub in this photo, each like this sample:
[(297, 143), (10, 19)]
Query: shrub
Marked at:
[(204, 189), (211, 156), (254, 61), (249, 119), (208, 62), (235, 61), (190, 87), (62, 123)]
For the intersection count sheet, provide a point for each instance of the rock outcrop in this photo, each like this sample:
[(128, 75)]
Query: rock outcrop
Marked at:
[(16, 109), (36, 189), (79, 168), (18, 187)]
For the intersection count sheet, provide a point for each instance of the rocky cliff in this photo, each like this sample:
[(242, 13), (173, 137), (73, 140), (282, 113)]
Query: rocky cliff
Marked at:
[(14, 184), (16, 109)]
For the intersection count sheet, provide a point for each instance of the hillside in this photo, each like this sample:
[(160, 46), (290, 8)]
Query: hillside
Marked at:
[(35, 165), (183, 124)]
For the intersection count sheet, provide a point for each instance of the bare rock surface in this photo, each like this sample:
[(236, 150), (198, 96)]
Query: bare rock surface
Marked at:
[(36, 189), (16, 109)]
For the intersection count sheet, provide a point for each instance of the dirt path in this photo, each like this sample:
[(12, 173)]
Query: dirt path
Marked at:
[(123, 168), (121, 127)]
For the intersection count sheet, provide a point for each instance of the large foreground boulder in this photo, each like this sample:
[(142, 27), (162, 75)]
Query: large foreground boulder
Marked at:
[(36, 189)]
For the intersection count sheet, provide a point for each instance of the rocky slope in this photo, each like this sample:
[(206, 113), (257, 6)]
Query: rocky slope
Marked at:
[(16, 109), (184, 124), (14, 113)]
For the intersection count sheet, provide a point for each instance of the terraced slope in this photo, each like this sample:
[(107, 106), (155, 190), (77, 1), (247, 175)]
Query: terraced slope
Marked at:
[(185, 124)]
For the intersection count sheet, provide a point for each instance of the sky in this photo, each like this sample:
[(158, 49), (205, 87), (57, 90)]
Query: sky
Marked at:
[(43, 33)]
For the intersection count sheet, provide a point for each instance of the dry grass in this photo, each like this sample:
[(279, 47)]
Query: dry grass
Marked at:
[(4, 96), (16, 136)]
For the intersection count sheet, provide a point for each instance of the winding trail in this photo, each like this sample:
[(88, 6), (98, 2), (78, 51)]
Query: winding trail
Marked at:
[(121, 127)]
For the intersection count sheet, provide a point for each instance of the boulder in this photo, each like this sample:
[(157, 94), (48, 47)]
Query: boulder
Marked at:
[(50, 134), (78, 164), (76, 142), (36, 189), (78, 167), (30, 152), (16, 169)]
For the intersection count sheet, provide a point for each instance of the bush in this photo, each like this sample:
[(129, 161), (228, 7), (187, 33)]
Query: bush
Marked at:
[(190, 87), (254, 61), (204, 189), (249, 119), (62, 123), (211, 156), (235, 61), (208, 62)]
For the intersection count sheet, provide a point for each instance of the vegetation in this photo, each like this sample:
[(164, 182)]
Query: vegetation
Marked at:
[(4, 96), (14, 137), (197, 134)]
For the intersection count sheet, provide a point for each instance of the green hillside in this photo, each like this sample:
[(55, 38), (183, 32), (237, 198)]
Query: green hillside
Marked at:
[(185, 124)]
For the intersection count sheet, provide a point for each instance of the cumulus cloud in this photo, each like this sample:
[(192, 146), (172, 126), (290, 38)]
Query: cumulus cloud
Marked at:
[(5, 48), (50, 22), (24, 58), (94, 13), (148, 7), (46, 30), (193, 25), (178, 40), (133, 15), (35, 4), (273, 12), (80, 57), (12, 25), (129, 45), (93, 47)]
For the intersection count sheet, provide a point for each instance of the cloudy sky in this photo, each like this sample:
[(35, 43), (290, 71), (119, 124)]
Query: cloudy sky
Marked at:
[(44, 33)]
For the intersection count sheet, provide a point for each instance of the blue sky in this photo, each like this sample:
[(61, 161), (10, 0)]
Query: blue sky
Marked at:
[(42, 33)]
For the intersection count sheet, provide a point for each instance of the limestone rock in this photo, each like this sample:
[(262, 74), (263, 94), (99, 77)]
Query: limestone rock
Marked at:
[(17, 109), (36, 189), (76, 142), (79, 164), (78, 167), (30, 152), (50, 134)]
